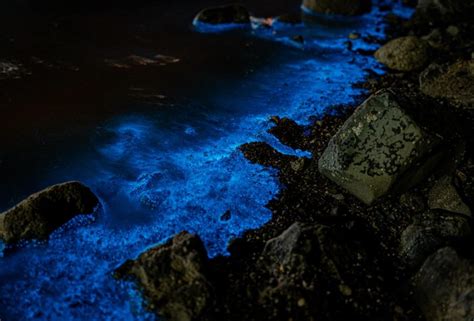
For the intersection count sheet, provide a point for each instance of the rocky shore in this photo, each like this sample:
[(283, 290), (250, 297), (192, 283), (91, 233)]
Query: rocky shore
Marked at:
[(377, 224)]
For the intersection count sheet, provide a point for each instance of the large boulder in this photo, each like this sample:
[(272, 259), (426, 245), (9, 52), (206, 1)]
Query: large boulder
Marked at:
[(379, 148), (404, 54), (41, 213), (173, 277), (444, 287), (341, 7), (455, 83), (223, 15), (430, 232)]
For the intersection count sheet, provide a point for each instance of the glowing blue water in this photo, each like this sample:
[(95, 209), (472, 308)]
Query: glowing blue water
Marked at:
[(161, 172)]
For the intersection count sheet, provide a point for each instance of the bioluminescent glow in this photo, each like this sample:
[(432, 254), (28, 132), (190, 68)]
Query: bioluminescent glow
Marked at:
[(178, 168)]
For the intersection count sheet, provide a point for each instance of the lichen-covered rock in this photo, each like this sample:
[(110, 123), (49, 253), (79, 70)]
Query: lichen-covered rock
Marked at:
[(173, 277), (41, 213), (404, 54), (228, 14), (444, 287), (430, 232), (454, 83), (342, 7), (378, 148), (443, 195)]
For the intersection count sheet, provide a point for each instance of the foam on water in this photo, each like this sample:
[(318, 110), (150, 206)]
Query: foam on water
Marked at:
[(162, 172)]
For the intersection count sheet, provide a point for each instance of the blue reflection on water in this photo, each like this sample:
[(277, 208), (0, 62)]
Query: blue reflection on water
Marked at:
[(161, 172)]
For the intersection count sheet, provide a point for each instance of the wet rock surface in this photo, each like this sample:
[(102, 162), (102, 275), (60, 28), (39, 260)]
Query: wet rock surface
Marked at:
[(404, 54), (229, 14), (341, 7), (375, 147), (173, 277), (444, 287), (40, 214)]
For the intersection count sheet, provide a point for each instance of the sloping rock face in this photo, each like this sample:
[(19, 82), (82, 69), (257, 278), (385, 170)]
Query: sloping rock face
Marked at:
[(229, 14), (443, 195), (445, 287), (313, 267), (341, 7), (404, 54), (172, 277), (376, 147), (41, 213), (430, 232), (454, 83)]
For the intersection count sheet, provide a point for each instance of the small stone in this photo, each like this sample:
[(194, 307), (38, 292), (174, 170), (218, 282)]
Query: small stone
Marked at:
[(301, 302), (298, 164), (404, 54), (453, 31), (443, 195), (298, 38), (354, 35), (345, 290)]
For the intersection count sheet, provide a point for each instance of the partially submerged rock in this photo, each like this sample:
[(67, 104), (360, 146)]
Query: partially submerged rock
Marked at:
[(444, 287), (430, 232), (404, 54), (454, 83), (223, 15), (443, 195), (41, 213), (173, 277), (341, 7), (379, 148)]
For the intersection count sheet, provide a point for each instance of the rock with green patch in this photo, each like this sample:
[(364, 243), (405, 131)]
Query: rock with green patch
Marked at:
[(444, 287), (378, 149), (404, 54), (341, 7), (40, 214), (173, 277)]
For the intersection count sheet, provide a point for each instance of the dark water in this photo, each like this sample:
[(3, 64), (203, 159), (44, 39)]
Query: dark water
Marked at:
[(158, 144)]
